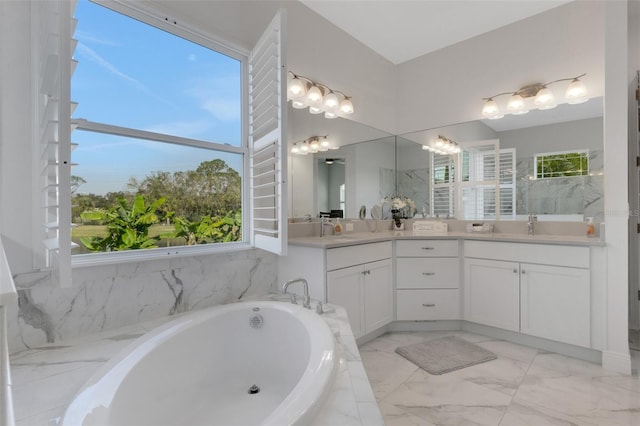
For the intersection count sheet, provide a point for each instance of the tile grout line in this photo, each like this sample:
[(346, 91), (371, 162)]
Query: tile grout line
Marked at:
[(524, 377)]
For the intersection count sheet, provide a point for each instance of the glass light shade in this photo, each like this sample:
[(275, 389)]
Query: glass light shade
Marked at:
[(315, 109), (330, 115), (304, 148), (299, 104), (490, 108), (334, 147), (314, 96), (331, 102), (295, 149), (576, 92), (516, 105), (426, 147), (314, 145), (296, 88), (346, 107), (545, 99), (325, 143)]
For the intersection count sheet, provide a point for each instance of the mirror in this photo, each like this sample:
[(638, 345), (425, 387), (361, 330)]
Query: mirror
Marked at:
[(377, 164), (362, 171), (529, 142)]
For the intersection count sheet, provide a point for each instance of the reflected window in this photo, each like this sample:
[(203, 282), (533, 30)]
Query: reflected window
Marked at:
[(562, 164)]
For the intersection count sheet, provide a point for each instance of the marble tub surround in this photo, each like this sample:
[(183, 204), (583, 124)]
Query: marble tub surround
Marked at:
[(112, 296), (523, 386), (47, 378)]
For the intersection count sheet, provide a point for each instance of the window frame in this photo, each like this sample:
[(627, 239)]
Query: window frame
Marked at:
[(150, 17), (581, 152)]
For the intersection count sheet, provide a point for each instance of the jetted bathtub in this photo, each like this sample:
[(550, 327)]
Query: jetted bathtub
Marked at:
[(247, 363)]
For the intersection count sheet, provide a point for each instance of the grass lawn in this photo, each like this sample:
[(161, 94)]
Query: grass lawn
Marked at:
[(101, 231)]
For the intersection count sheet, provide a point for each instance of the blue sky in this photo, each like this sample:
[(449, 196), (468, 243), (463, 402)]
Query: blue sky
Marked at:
[(134, 75)]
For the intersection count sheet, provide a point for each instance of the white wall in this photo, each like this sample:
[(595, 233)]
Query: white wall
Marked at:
[(634, 202), (447, 86)]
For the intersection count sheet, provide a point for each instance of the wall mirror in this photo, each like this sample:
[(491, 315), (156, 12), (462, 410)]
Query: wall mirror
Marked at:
[(536, 167), (550, 163)]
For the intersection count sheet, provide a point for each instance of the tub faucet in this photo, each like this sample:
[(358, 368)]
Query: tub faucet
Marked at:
[(325, 221), (307, 299), (531, 224)]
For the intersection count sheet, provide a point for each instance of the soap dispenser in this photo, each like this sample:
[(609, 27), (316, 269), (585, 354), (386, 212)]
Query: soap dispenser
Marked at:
[(591, 227), (337, 228)]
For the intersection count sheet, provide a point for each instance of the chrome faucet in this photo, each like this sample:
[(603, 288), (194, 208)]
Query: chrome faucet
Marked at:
[(325, 221), (531, 224), (307, 299)]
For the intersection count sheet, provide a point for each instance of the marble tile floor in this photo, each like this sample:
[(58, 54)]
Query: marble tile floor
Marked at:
[(523, 386)]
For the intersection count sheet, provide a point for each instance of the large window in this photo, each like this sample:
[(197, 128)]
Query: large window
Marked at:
[(160, 152)]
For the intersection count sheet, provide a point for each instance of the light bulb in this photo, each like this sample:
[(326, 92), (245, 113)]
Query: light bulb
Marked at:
[(314, 146), (304, 148), (545, 99), (330, 115), (325, 143), (314, 96), (314, 109), (576, 92), (297, 88), (299, 104), (516, 105), (346, 107), (490, 108), (331, 102), (295, 149)]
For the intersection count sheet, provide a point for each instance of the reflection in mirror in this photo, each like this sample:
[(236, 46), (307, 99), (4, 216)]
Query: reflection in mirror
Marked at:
[(330, 186), (553, 140), (367, 156)]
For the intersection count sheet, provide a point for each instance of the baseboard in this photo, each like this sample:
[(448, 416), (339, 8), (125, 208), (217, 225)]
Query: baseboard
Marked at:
[(443, 325), (616, 361)]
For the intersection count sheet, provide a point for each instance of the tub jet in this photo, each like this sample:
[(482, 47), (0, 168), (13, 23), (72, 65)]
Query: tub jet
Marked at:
[(254, 389)]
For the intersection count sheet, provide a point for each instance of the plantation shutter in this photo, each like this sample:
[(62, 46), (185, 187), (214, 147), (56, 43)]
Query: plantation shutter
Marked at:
[(507, 182), (443, 178), (52, 26), (267, 144), (479, 185)]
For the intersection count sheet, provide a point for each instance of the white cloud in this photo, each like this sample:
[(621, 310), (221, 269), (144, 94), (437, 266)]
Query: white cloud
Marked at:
[(218, 96), (93, 56), (192, 57), (223, 109)]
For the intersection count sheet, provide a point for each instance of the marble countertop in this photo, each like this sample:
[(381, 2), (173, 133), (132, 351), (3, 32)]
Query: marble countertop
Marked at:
[(354, 238), (46, 379)]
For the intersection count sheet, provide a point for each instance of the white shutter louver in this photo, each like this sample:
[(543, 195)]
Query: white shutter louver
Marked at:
[(267, 145), (443, 178), (508, 182), (479, 183), (52, 26)]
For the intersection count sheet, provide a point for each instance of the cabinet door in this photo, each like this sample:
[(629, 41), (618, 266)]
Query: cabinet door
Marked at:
[(556, 303), (378, 294), (492, 293), (344, 288)]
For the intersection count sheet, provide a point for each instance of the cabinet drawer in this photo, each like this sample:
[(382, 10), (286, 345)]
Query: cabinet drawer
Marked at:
[(545, 254), (427, 248), (343, 257), (418, 273), (427, 305)]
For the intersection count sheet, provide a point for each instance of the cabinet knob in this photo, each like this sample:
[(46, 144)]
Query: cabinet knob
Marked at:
[(515, 271), (429, 305), (428, 273), (524, 272), (367, 272)]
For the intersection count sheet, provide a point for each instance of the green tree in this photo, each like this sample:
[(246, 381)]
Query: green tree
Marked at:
[(127, 225), (209, 229)]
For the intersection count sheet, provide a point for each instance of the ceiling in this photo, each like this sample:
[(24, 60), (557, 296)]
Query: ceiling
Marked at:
[(401, 30)]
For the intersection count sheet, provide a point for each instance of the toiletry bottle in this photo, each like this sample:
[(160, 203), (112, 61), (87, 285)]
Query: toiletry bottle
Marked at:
[(591, 227), (337, 228)]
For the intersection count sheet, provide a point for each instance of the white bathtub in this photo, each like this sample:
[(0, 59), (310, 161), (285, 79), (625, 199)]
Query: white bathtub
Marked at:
[(198, 369)]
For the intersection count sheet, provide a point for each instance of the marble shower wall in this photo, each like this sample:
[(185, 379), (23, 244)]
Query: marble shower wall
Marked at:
[(107, 297), (415, 185), (564, 195)]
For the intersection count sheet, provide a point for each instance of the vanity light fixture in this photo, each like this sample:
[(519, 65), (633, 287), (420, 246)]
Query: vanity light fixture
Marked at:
[(543, 98), (443, 146), (304, 92), (312, 145)]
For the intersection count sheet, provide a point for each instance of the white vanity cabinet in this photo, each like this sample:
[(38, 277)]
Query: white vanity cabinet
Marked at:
[(427, 280), (359, 278), (535, 289)]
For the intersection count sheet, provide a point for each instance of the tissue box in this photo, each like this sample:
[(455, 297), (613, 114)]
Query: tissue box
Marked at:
[(429, 227)]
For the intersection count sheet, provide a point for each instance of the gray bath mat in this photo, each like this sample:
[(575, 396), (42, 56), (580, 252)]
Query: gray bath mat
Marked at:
[(445, 354)]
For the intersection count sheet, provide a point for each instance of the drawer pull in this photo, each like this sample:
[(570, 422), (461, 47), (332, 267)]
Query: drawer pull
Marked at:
[(367, 272), (428, 248), (428, 274), (429, 305)]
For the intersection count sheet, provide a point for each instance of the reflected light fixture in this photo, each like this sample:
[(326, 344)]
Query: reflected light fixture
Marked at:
[(312, 145), (443, 146), (543, 98), (304, 92)]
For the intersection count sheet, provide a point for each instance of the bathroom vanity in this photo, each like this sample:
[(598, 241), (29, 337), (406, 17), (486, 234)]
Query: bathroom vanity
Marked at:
[(543, 290)]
